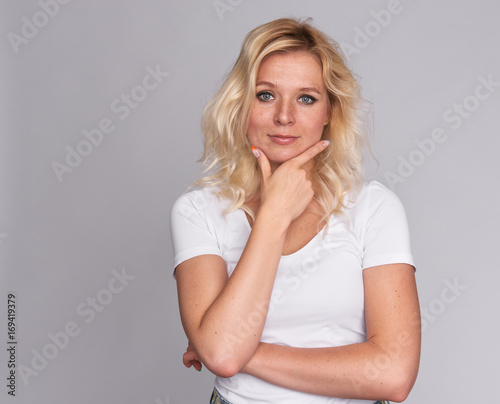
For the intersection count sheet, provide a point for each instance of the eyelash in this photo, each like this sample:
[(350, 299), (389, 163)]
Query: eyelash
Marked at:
[(312, 99), (263, 93)]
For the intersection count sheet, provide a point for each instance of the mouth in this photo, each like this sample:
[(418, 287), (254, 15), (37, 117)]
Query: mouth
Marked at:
[(282, 139)]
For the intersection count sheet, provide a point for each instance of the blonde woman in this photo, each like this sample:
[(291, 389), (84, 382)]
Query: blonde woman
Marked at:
[(295, 277)]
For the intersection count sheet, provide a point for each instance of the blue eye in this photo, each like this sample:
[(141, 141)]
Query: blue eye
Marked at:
[(264, 96), (307, 99)]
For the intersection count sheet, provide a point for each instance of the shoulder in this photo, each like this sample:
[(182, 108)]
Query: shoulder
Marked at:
[(370, 195), (200, 200), (373, 202)]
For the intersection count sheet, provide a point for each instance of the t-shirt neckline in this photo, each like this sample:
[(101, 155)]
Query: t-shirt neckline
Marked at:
[(243, 216)]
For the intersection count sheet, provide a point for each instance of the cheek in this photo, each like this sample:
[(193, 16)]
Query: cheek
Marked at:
[(254, 125), (251, 131), (317, 123)]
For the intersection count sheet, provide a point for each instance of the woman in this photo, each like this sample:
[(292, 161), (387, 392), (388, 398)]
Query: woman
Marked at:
[(295, 278)]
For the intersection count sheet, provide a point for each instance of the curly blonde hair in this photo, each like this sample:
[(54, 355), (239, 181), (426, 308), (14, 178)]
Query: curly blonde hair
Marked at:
[(227, 158)]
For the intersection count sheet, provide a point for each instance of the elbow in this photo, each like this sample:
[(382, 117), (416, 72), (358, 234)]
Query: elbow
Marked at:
[(399, 376), (400, 386), (220, 358), (398, 395), (225, 370), (223, 364), (223, 367)]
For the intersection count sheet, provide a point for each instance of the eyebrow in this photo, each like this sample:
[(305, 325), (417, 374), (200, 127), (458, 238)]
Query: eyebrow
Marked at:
[(303, 89)]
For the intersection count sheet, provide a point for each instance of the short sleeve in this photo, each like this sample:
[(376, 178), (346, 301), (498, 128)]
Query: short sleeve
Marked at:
[(387, 238), (192, 234)]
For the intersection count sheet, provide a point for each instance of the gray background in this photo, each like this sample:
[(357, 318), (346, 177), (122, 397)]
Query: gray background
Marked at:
[(61, 240)]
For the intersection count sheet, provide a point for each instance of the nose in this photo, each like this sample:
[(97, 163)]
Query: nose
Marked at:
[(285, 114)]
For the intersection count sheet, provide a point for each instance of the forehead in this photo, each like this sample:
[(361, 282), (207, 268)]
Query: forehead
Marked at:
[(300, 66)]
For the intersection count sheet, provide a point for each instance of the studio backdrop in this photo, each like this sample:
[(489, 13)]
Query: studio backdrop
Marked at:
[(100, 133)]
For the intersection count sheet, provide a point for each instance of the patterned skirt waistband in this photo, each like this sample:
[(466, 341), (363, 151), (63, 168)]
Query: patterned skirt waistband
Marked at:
[(218, 399)]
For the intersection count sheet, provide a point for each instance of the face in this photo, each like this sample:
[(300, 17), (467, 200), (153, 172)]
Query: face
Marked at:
[(291, 106)]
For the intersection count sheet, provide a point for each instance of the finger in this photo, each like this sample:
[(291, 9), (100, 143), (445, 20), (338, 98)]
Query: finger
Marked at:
[(186, 360), (197, 365), (263, 162), (310, 153)]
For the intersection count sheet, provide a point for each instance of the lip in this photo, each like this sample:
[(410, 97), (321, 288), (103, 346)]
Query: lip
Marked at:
[(283, 140)]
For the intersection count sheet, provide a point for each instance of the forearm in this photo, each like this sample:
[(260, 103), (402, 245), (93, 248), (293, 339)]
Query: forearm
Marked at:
[(230, 330), (224, 318), (359, 371)]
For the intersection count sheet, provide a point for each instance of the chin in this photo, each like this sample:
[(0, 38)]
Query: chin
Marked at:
[(281, 157)]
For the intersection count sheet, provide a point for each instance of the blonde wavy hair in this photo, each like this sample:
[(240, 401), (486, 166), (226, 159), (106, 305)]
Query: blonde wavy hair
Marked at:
[(227, 158)]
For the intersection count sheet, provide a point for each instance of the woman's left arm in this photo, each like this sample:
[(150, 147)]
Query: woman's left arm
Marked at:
[(382, 368)]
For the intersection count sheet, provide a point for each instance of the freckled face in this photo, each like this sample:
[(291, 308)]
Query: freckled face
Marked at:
[(291, 106)]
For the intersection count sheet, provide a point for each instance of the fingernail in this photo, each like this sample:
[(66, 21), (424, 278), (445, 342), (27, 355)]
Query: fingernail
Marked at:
[(326, 142), (255, 152), (199, 370)]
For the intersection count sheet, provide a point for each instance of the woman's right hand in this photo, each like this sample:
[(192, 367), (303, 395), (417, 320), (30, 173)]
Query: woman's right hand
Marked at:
[(224, 316), (191, 358), (287, 191)]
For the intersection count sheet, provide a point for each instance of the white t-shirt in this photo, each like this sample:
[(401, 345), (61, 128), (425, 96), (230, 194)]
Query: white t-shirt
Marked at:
[(318, 298)]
